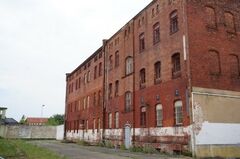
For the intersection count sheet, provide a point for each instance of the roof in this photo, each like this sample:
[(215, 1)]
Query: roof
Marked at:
[(37, 120), (10, 121), (3, 108)]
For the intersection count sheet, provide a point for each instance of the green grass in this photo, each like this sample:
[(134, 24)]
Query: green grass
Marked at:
[(19, 149)]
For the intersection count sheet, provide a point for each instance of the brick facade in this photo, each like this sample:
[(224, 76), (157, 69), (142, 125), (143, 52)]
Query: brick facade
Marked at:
[(153, 62)]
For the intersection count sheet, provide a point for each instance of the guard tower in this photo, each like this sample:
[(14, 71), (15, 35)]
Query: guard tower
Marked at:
[(2, 113)]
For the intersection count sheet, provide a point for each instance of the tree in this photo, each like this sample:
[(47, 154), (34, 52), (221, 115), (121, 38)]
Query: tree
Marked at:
[(57, 119), (23, 120)]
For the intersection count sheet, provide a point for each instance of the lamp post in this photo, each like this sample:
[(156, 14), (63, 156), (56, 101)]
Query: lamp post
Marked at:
[(42, 110)]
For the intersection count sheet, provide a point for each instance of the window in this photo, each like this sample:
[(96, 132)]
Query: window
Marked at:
[(214, 63), (157, 72), (100, 55), (110, 91), (85, 78), (116, 88), (79, 82), (100, 69), (95, 72), (234, 66), (110, 62), (94, 125), (159, 115), (141, 42), (178, 113), (143, 116), (99, 124), (229, 22), (76, 85), (99, 98), (86, 125), (211, 17), (110, 120), (176, 65), (129, 65), (116, 58), (156, 33), (142, 78), (84, 103), (128, 101), (88, 101), (95, 99), (89, 76), (173, 22), (116, 120)]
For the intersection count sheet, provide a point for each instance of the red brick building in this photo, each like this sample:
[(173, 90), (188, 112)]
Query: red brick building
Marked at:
[(164, 78), (36, 121)]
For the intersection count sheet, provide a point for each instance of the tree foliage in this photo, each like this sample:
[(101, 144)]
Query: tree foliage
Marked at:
[(23, 120), (57, 119)]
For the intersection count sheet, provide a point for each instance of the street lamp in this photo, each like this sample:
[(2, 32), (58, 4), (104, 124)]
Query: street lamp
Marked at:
[(42, 110)]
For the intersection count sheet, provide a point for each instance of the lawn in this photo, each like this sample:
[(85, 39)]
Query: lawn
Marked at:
[(20, 149)]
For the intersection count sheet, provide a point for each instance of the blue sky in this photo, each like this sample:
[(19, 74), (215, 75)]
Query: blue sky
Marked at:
[(41, 40)]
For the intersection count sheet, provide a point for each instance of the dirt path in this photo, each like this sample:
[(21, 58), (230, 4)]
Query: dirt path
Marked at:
[(74, 151)]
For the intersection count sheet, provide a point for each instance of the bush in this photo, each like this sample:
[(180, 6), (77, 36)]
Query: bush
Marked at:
[(149, 149), (122, 147), (109, 144), (83, 143), (136, 149)]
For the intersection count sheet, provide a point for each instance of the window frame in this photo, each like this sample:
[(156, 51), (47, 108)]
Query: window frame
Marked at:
[(142, 46), (156, 33), (174, 24)]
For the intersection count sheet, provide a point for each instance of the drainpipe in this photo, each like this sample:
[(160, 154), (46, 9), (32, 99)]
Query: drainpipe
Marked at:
[(105, 71), (133, 33), (66, 110), (189, 78)]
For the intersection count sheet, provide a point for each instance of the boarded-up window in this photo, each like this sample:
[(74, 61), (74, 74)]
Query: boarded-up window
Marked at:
[(110, 120), (211, 17), (116, 120), (214, 63), (229, 22), (128, 101), (234, 66), (129, 65), (143, 116)]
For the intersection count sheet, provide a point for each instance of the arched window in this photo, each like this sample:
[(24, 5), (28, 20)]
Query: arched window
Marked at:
[(116, 88), (156, 33), (210, 17), (141, 42), (110, 91), (110, 62), (157, 71), (142, 76), (99, 124), (229, 22), (129, 65), (214, 63), (116, 120), (88, 101), (128, 101), (143, 116), (110, 120), (159, 115), (234, 66), (116, 58), (173, 22), (176, 65), (178, 113)]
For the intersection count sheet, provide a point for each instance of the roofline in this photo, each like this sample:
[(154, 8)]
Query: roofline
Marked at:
[(135, 17), (84, 62), (3, 108)]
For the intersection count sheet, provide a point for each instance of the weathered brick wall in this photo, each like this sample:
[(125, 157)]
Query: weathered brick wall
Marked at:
[(203, 38)]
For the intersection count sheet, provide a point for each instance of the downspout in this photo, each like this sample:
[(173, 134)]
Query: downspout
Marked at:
[(189, 78), (65, 116), (133, 32), (104, 89)]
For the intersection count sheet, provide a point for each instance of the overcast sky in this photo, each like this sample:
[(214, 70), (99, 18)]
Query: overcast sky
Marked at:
[(41, 40)]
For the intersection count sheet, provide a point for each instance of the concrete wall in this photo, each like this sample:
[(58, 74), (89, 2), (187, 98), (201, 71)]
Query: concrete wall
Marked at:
[(216, 128), (31, 132)]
